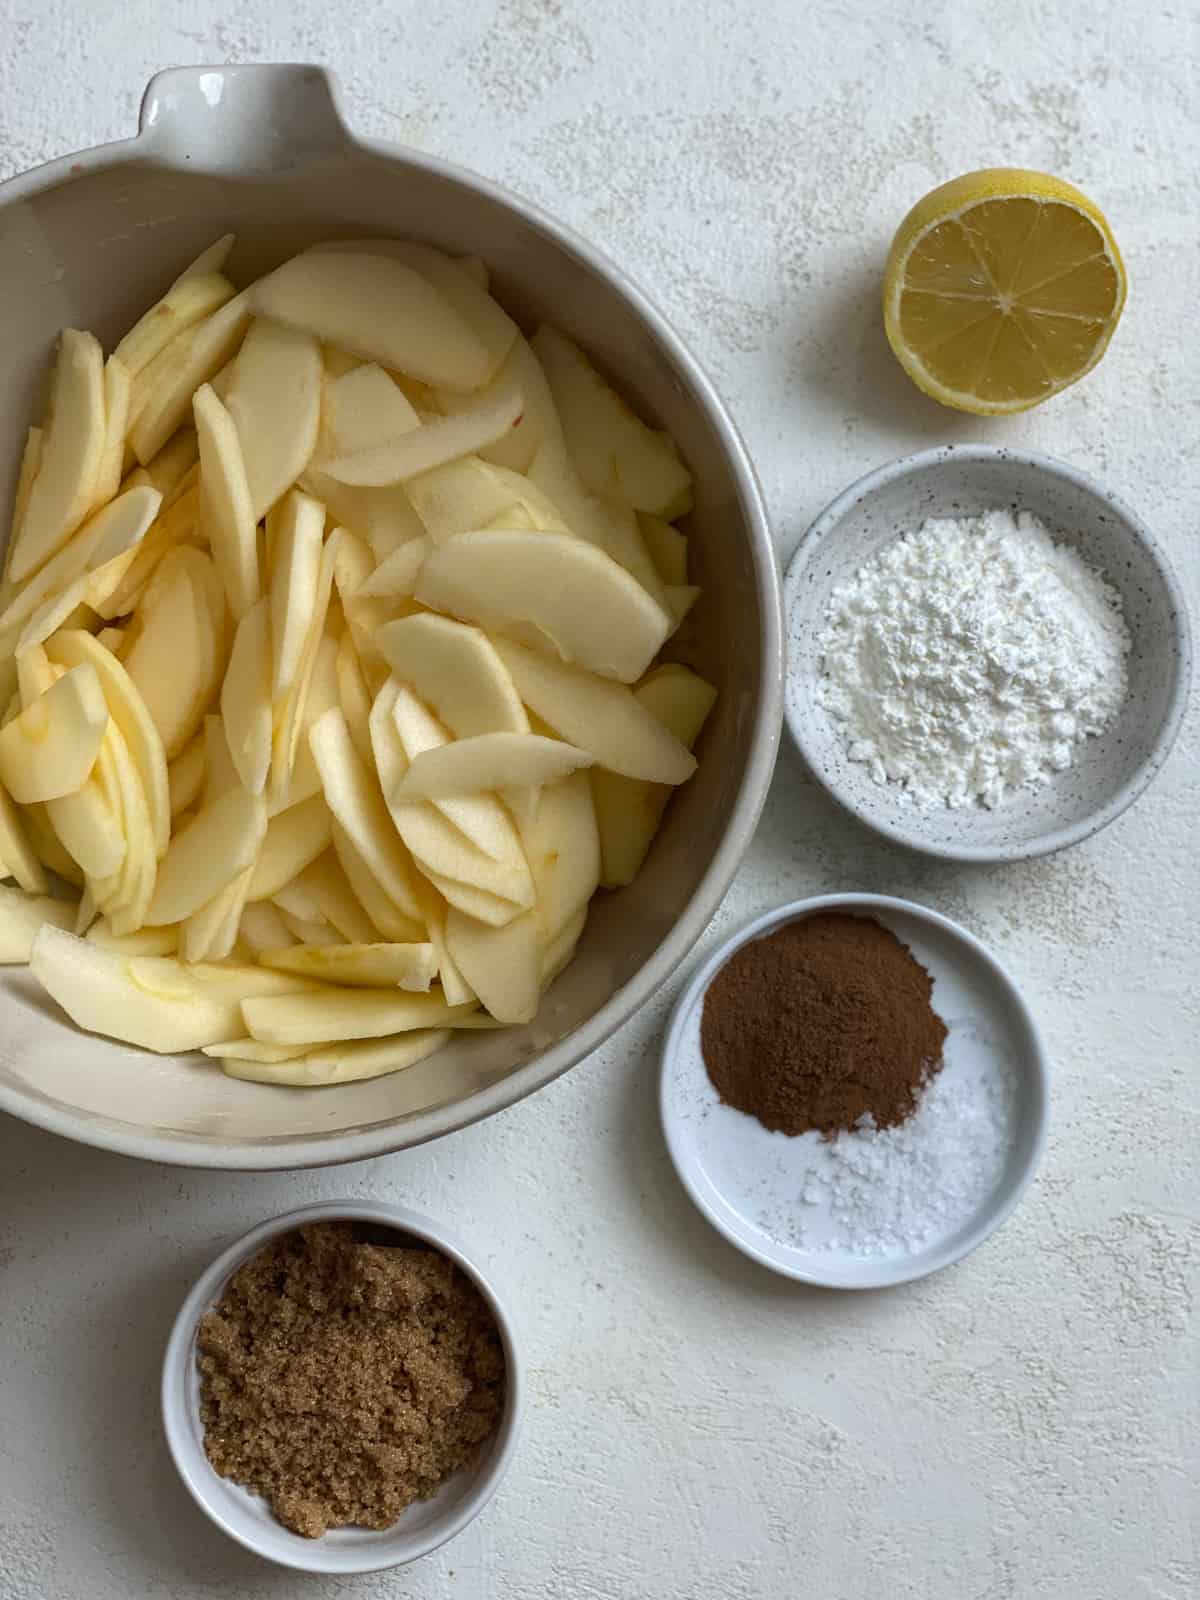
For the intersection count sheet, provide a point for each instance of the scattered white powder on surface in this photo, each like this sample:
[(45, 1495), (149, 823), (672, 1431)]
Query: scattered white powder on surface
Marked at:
[(897, 1191), (970, 658)]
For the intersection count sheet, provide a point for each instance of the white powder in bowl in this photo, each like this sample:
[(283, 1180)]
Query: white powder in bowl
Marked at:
[(898, 1191), (971, 658)]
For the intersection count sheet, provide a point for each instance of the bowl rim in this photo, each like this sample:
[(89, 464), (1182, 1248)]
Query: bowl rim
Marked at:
[(287, 1152), (1038, 1064), (1054, 839), (190, 1462)]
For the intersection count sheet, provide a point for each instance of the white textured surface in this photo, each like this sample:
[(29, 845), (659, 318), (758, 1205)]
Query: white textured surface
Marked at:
[(1021, 1426)]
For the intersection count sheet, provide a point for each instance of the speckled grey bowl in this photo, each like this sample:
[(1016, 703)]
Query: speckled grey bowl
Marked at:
[(1110, 771)]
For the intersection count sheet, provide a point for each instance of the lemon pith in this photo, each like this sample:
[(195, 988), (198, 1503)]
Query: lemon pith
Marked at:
[(1002, 288)]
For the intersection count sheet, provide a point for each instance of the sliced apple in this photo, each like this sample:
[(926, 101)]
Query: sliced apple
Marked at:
[(667, 547), (51, 748), (327, 886), (220, 841), (562, 845), (352, 794), (227, 516), (348, 1062), (599, 716), (295, 533), (561, 949), (502, 965), (262, 928), (364, 409), (305, 780), (163, 390), (628, 810), (114, 530), (254, 1050), (129, 711), (490, 761), (185, 775), (246, 698), (22, 915), (455, 669), (178, 526), (435, 910), (378, 309), (354, 696), (411, 967), (17, 856), (118, 386), (193, 295), (441, 440), (332, 1016), (173, 464), (461, 495), (391, 922), (294, 839), (126, 903), (493, 326), (396, 576), (614, 452), (151, 1001), (517, 448), (291, 719), (275, 401), (211, 260), (306, 932), (145, 942), (596, 612), (176, 660), (610, 526), (383, 517), (210, 933), (72, 449), (681, 597), (31, 460), (89, 829), (220, 771)]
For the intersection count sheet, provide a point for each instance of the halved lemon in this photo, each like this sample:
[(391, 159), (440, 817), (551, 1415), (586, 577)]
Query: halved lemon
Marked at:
[(1003, 287)]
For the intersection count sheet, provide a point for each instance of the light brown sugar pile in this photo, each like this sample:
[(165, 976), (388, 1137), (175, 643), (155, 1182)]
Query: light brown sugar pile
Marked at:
[(343, 1379)]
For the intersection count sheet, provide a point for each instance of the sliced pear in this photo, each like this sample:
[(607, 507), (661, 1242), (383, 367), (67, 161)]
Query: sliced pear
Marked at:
[(397, 575), (493, 326), (348, 1062), (455, 669), (489, 761), (391, 922), (331, 1016), (411, 967), (667, 547), (176, 660), (118, 386), (599, 716), (227, 516), (72, 449), (246, 698), (16, 854), (294, 839), (220, 841), (538, 420), (51, 748), (163, 390), (364, 409), (628, 810), (352, 794), (22, 915), (598, 615), (614, 452), (295, 532), (130, 713), (262, 928), (441, 440), (151, 1001), (145, 942), (378, 309), (185, 775), (502, 965), (193, 295), (275, 401)]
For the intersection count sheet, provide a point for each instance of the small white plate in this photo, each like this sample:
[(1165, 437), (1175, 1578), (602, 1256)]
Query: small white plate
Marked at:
[(752, 1184)]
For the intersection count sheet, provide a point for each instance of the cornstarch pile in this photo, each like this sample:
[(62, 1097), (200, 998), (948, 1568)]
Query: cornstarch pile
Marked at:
[(971, 658)]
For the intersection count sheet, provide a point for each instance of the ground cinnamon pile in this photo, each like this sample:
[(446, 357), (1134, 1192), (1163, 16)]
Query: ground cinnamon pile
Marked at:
[(342, 1380), (824, 1022)]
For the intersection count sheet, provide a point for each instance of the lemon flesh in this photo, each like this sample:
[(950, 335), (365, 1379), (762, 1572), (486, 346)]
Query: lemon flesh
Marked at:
[(1002, 288)]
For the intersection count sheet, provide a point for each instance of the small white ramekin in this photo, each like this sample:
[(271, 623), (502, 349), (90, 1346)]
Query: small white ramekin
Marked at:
[(244, 1516)]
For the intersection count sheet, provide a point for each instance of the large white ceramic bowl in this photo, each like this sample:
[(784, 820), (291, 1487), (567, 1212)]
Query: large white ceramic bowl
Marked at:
[(89, 241)]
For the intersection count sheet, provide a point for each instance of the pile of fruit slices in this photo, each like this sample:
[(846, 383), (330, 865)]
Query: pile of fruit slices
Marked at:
[(330, 633)]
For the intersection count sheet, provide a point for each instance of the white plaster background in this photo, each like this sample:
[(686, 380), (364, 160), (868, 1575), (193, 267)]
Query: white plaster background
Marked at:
[(1021, 1426)]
